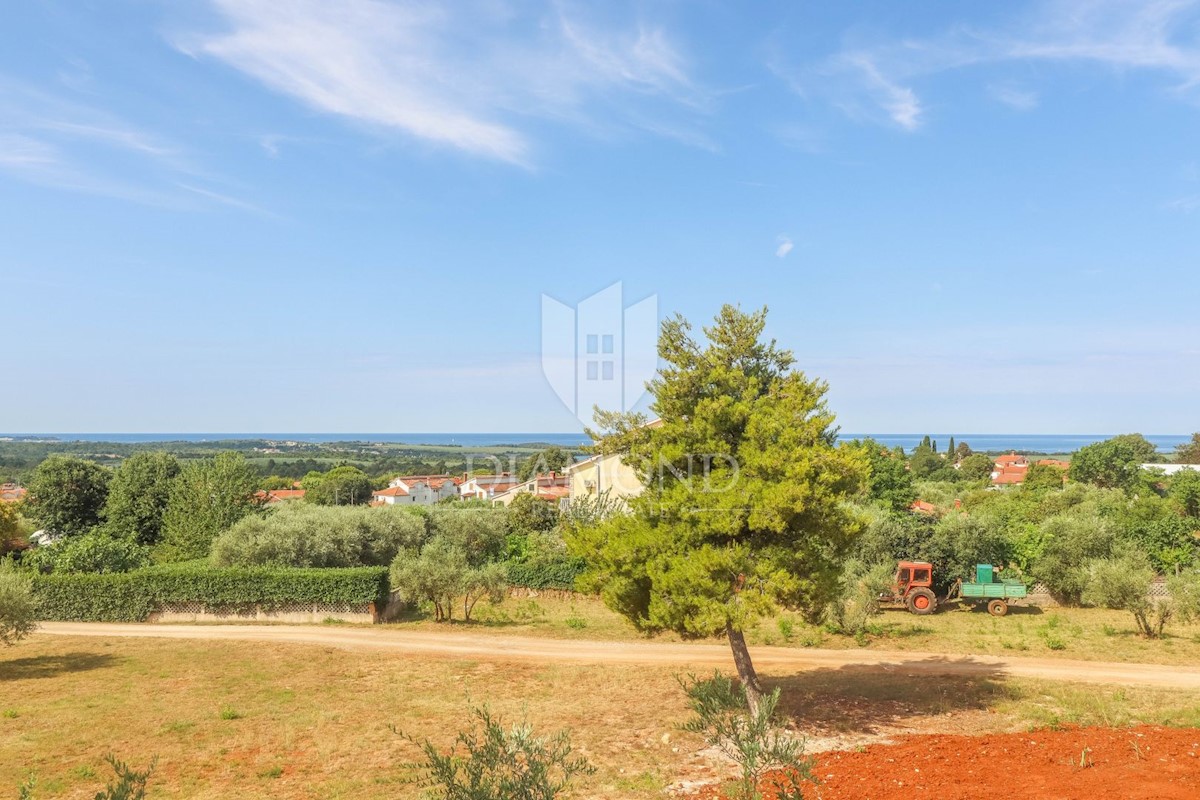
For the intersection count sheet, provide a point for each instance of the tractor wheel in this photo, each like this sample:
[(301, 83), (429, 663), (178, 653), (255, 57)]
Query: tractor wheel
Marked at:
[(921, 601), (997, 608)]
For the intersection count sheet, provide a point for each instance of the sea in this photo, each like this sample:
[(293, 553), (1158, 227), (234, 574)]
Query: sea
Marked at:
[(983, 442)]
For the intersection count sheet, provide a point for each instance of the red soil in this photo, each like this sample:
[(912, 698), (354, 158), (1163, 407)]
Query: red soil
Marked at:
[(1143, 763)]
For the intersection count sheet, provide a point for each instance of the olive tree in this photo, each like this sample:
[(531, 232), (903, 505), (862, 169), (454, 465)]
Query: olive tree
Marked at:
[(18, 615)]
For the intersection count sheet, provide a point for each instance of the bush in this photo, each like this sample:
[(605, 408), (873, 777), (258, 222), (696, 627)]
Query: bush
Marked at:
[(749, 737), (17, 608), (1123, 583), (300, 535), (558, 574), (92, 552), (501, 763), (1068, 543), (441, 574), (479, 532), (134, 596), (857, 599)]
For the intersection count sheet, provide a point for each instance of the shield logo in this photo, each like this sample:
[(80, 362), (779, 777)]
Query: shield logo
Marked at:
[(599, 353)]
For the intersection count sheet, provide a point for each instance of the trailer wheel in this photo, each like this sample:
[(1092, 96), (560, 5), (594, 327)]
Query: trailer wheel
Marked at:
[(997, 608), (921, 601)]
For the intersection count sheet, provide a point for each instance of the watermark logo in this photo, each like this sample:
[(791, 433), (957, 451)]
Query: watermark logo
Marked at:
[(599, 353)]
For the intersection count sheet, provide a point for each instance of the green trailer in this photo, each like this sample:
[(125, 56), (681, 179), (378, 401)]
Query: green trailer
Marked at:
[(990, 589)]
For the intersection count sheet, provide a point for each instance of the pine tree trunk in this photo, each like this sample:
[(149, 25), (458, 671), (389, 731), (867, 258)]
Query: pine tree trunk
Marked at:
[(745, 667)]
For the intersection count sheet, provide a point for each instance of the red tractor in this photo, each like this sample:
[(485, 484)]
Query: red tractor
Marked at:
[(913, 586)]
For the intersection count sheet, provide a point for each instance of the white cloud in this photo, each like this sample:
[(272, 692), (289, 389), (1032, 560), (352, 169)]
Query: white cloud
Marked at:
[(785, 246), (51, 141), (1015, 98), (457, 75), (877, 80), (1185, 205)]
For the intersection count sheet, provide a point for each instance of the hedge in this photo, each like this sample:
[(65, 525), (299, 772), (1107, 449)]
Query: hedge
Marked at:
[(134, 596), (546, 575)]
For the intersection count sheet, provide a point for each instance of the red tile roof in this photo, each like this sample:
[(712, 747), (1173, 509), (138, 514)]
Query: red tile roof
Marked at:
[(1054, 462), (923, 507), (11, 493), (394, 491), (279, 495), (434, 481), (1011, 458)]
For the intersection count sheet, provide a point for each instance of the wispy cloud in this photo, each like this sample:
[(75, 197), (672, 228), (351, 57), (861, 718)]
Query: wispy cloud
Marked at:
[(784, 247), (458, 75), (1185, 205), (880, 79), (49, 140), (1015, 98)]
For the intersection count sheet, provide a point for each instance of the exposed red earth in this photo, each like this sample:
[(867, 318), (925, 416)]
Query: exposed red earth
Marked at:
[(1142, 763)]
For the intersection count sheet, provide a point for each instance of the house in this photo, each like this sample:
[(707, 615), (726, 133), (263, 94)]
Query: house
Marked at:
[(419, 490), (1010, 469), (602, 474), (485, 487), (923, 507), (1171, 469), (11, 493), (268, 498), (553, 488)]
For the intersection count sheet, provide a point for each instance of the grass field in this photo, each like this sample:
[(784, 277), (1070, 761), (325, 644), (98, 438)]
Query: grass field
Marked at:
[(252, 720), (1076, 633)]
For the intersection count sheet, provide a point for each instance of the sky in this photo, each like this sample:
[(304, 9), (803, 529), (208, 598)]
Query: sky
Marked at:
[(258, 215)]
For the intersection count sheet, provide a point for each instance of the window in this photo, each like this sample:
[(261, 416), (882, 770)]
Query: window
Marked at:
[(921, 575), (902, 577), (596, 344)]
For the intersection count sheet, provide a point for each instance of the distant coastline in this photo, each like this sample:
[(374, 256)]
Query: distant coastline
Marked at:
[(983, 442)]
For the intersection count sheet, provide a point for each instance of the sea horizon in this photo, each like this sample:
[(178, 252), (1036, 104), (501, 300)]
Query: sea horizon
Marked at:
[(984, 442)]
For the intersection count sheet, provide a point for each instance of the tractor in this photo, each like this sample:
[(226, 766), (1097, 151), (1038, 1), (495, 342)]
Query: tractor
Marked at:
[(913, 587)]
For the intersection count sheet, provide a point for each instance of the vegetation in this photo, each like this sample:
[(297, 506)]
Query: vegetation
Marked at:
[(301, 535), (340, 486), (67, 495), (759, 521), (499, 763), (208, 497), (18, 615), (134, 596), (749, 735), (138, 496), (1124, 583), (95, 551)]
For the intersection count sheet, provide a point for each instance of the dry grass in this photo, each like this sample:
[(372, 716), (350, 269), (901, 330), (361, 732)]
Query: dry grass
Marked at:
[(255, 720), (1075, 633)]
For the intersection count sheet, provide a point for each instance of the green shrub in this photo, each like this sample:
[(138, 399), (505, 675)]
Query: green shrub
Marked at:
[(499, 763), (17, 607), (96, 551), (302, 535), (749, 736), (1123, 582), (1069, 543), (134, 596), (857, 599), (442, 574), (559, 574)]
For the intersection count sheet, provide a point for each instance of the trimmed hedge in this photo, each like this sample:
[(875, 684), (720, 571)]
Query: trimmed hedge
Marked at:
[(134, 596), (546, 575)]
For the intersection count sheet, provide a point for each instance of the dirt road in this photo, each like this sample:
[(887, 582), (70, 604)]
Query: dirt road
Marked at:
[(524, 648)]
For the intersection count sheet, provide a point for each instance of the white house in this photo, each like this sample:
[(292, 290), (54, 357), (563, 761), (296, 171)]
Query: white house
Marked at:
[(553, 487), (418, 490), (485, 487), (1171, 469)]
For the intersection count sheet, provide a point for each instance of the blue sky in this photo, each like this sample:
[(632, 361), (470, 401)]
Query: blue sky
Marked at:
[(251, 215)]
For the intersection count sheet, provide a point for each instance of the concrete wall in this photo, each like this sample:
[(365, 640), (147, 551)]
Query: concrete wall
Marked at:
[(294, 613)]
